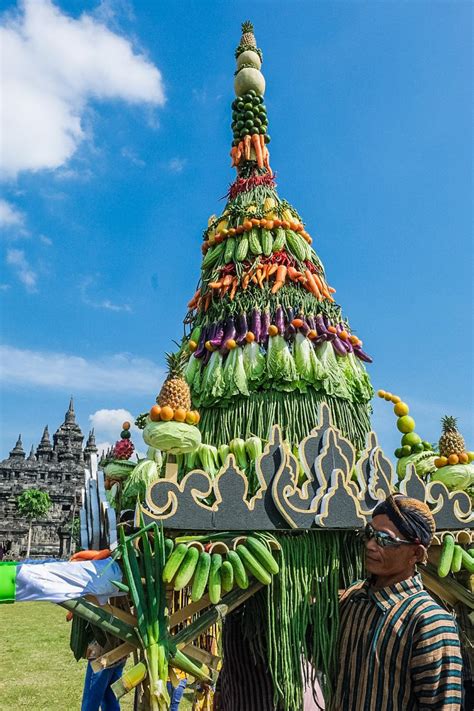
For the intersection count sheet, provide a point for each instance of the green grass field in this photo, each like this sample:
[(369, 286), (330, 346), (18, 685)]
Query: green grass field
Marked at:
[(37, 669)]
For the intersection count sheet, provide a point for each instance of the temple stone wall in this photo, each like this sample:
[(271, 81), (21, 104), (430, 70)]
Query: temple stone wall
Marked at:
[(56, 467)]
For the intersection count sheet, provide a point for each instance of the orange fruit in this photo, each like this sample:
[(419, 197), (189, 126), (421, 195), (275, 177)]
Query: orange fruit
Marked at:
[(197, 416), (180, 414), (126, 425), (191, 418), (405, 424), (381, 393), (192, 346), (401, 409), (166, 413), (396, 399), (387, 397), (453, 459), (155, 413), (463, 458), (440, 462)]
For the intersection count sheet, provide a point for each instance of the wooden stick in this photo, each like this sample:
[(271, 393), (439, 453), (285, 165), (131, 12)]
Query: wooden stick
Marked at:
[(200, 655), (121, 614), (186, 612), (110, 658)]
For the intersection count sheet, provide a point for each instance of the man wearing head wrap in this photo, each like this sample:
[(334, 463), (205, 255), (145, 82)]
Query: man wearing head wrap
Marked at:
[(399, 650)]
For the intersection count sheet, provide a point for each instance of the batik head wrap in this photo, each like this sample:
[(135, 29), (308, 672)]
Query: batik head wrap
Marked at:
[(412, 518)]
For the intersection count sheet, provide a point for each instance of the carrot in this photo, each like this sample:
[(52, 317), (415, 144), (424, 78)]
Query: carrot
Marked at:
[(194, 300), (313, 287), (258, 149), (293, 273), (254, 279), (272, 268), (260, 275), (331, 290), (247, 147), (266, 160), (235, 284), (262, 144), (215, 284), (224, 290), (238, 154), (277, 286), (90, 555), (280, 277), (207, 301), (245, 280), (227, 280), (233, 153)]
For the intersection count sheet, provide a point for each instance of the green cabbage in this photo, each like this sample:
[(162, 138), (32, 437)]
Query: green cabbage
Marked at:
[(172, 437), (212, 381), (304, 354), (119, 469), (423, 461), (254, 362), (456, 477), (280, 363)]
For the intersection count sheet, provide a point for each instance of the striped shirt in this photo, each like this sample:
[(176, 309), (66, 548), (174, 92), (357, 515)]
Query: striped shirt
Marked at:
[(398, 651)]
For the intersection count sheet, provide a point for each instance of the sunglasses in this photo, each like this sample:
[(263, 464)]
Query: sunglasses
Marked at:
[(382, 539)]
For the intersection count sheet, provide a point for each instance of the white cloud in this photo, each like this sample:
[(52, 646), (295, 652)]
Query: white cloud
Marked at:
[(176, 165), (130, 154), (120, 373), (53, 65), (10, 216), (98, 303), (25, 273), (45, 240)]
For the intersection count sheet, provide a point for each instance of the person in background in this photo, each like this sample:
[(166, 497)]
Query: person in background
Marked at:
[(97, 685), (176, 693), (398, 649)]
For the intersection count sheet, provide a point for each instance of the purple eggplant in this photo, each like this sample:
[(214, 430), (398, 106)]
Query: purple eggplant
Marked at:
[(310, 320), (349, 346), (305, 328), (201, 349), (216, 340), (320, 325), (241, 328), (256, 324), (280, 320), (339, 346), (265, 325), (290, 331), (229, 333), (290, 314), (361, 355)]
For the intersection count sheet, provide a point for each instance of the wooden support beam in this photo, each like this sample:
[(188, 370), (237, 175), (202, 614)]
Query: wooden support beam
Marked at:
[(115, 655), (200, 655), (121, 614), (185, 613)]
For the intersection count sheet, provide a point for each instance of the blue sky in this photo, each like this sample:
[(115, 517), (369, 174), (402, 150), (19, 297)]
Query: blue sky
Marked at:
[(116, 127)]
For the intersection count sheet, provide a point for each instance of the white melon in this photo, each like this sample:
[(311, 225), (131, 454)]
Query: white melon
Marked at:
[(249, 56), (247, 79)]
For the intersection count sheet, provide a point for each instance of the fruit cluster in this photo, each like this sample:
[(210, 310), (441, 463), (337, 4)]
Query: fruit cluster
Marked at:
[(463, 458), (123, 448), (411, 442), (217, 568), (166, 414), (249, 116)]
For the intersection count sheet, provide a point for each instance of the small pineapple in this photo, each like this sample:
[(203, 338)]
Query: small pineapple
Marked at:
[(175, 391), (451, 441), (248, 37)]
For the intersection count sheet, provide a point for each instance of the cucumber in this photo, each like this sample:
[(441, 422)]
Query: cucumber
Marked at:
[(201, 576), (173, 562), (467, 562), (280, 240), (296, 245), (263, 555), (253, 566), (242, 248), (229, 249), (446, 558), (240, 574), (186, 569), (169, 545), (227, 576), (267, 242), (213, 255), (215, 578), (456, 562), (254, 242)]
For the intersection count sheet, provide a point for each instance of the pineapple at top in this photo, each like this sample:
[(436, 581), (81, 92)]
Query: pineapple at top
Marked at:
[(451, 441), (248, 37), (175, 391)]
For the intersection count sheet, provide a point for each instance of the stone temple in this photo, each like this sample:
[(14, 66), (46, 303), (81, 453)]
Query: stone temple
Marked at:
[(56, 467)]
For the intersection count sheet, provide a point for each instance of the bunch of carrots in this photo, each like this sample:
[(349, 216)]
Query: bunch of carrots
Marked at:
[(243, 150), (279, 269)]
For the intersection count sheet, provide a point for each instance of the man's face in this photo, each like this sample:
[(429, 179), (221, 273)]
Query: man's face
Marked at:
[(390, 560)]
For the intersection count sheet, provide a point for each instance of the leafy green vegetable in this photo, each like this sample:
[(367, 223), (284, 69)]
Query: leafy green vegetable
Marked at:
[(280, 363), (358, 381), (303, 353), (155, 455), (223, 452), (254, 447), (209, 460), (234, 374), (119, 469), (192, 371), (172, 437), (144, 474), (456, 477), (237, 447), (423, 461), (335, 383), (212, 382), (254, 362)]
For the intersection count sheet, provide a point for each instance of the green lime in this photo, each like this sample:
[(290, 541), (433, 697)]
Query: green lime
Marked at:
[(263, 108), (406, 424), (244, 132), (427, 446), (251, 93), (470, 456), (239, 124), (411, 438), (399, 453), (257, 122), (248, 115), (406, 450), (417, 448), (256, 100), (248, 106), (240, 106), (249, 123)]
